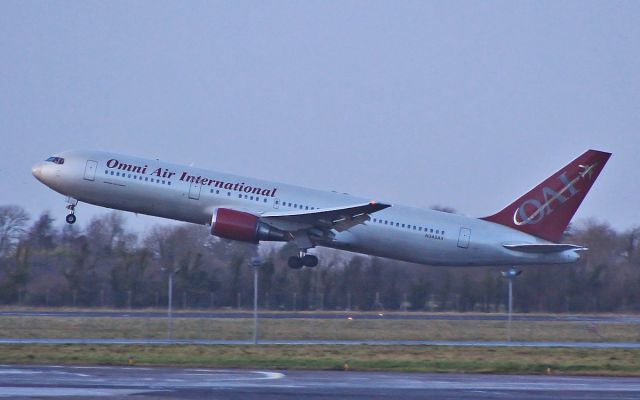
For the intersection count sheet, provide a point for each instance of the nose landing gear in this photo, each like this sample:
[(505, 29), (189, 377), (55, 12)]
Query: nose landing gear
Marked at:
[(70, 218), (71, 206)]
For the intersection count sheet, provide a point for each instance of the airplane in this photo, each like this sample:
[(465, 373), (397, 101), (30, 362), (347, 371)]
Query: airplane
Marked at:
[(526, 232)]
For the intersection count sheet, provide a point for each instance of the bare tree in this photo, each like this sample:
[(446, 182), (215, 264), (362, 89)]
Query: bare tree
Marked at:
[(13, 221)]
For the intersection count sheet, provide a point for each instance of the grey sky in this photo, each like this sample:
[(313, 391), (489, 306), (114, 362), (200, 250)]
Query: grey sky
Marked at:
[(464, 104)]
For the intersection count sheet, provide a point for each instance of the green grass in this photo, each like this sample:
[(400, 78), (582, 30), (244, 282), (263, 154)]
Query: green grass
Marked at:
[(518, 360), (510, 360), (319, 329)]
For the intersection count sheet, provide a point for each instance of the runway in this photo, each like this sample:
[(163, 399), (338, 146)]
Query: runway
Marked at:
[(89, 382), (210, 342), (621, 319)]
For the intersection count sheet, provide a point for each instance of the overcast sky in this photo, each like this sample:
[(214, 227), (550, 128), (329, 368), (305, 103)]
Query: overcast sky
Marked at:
[(463, 104)]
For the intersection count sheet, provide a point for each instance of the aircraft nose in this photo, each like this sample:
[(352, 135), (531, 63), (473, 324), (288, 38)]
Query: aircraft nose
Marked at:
[(36, 170)]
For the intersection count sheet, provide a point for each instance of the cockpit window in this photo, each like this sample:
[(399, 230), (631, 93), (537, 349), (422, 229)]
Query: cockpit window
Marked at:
[(57, 160)]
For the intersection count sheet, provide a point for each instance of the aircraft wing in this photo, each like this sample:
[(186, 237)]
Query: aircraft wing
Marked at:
[(543, 247), (339, 218)]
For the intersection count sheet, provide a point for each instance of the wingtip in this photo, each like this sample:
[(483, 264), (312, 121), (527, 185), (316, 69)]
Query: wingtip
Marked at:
[(378, 205)]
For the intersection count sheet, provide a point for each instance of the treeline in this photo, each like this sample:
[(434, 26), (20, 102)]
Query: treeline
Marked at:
[(43, 263)]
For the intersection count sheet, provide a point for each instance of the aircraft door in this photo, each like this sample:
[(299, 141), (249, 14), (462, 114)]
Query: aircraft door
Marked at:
[(90, 170), (276, 203), (194, 191), (463, 238)]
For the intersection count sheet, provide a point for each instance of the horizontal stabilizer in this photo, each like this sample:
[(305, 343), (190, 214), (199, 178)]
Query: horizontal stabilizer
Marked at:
[(543, 248)]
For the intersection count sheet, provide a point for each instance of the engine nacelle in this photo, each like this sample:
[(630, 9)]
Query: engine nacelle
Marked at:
[(242, 226)]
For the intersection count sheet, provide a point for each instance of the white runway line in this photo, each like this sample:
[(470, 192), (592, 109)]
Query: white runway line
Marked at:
[(14, 392)]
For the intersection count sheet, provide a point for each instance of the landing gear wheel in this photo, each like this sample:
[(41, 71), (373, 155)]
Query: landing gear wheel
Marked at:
[(71, 206), (310, 260), (295, 262)]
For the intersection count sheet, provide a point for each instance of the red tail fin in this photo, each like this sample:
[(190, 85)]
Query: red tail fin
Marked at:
[(545, 211)]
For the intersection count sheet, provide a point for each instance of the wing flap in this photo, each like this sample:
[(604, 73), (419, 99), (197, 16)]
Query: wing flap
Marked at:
[(339, 218)]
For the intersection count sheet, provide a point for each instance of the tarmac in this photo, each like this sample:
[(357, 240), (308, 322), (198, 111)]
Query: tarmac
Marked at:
[(91, 382)]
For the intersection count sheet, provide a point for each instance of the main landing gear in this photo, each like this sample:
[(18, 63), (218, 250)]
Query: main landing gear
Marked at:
[(71, 206), (303, 260)]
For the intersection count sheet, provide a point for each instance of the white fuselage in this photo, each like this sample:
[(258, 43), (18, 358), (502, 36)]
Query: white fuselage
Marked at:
[(191, 194)]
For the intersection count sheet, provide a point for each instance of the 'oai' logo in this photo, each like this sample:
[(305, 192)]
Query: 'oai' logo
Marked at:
[(543, 208)]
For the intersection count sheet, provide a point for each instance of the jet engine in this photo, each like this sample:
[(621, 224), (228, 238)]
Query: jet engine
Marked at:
[(242, 226)]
